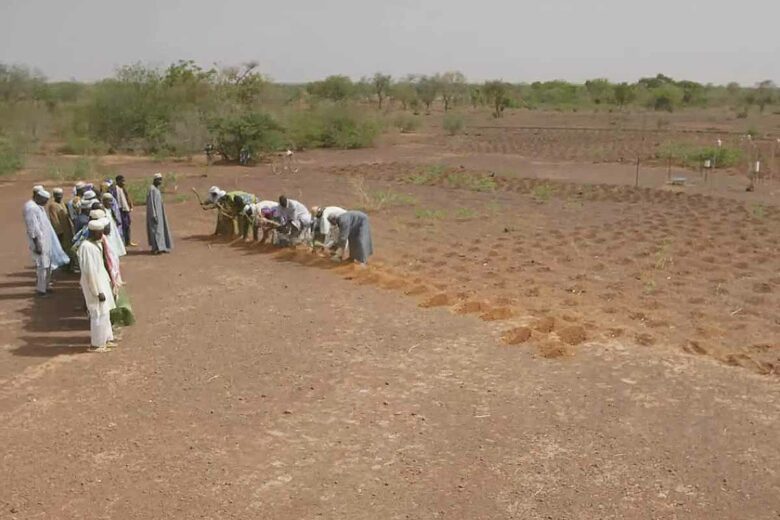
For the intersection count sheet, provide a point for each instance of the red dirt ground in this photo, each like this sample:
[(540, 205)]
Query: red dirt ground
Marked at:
[(555, 348)]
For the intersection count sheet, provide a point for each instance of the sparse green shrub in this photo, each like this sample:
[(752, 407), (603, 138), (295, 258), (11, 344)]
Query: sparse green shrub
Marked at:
[(692, 156), (427, 175), (427, 214), (137, 190), (346, 130), (454, 123), (470, 181), (406, 123)]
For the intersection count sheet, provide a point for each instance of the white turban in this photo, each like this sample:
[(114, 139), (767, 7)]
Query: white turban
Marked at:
[(97, 214), (89, 195)]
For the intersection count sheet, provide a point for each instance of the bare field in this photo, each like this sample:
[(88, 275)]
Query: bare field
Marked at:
[(533, 339)]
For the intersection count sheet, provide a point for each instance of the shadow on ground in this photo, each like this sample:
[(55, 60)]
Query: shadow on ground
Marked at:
[(54, 325)]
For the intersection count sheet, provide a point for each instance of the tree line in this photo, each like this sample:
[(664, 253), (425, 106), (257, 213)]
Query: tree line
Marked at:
[(180, 108)]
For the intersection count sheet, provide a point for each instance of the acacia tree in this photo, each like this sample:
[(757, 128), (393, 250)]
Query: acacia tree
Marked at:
[(452, 86), (427, 89), (497, 94), (335, 88), (404, 92), (600, 90), (765, 94), (624, 94), (382, 84)]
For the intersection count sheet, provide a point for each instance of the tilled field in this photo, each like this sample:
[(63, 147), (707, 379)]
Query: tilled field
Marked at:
[(566, 264)]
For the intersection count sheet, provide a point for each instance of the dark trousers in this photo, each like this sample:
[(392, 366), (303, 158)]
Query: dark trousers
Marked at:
[(126, 226)]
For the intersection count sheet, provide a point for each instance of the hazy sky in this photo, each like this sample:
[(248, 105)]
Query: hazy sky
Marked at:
[(298, 40)]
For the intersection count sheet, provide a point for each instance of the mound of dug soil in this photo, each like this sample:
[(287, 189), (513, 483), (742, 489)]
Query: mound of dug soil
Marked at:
[(572, 335), (438, 300), (471, 307), (499, 313), (546, 324), (516, 336)]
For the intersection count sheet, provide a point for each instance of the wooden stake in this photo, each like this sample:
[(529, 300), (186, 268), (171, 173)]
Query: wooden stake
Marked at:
[(636, 182)]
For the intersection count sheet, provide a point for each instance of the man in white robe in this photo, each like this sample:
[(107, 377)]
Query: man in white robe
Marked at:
[(96, 286), (39, 239), (295, 218), (262, 215), (323, 232)]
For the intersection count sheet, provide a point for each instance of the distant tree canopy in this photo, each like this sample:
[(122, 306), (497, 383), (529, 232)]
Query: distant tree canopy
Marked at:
[(180, 108)]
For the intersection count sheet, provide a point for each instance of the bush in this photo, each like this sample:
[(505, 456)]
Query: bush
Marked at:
[(454, 123), (255, 131), (137, 190), (82, 146), (331, 127), (11, 156), (346, 130), (406, 123)]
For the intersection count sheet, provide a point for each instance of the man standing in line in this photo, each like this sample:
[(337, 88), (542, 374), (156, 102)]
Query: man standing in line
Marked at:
[(39, 239), (74, 204), (60, 219), (96, 286), (125, 208), (157, 230)]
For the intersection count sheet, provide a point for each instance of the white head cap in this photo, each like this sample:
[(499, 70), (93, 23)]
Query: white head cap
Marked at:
[(86, 203), (214, 190), (57, 191), (89, 195), (37, 188), (96, 225), (158, 175), (43, 193), (108, 196), (97, 214), (80, 185)]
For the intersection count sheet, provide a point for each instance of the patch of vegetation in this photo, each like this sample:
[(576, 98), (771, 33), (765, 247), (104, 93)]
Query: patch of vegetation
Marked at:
[(692, 156), (464, 180), (82, 169), (82, 145), (758, 210), (11, 156), (470, 181), (428, 214), (331, 127), (542, 193), (137, 190), (377, 200), (406, 123), (427, 175), (454, 123), (465, 213)]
